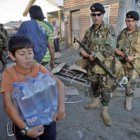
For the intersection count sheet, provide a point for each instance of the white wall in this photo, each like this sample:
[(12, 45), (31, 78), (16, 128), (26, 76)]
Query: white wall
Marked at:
[(125, 6)]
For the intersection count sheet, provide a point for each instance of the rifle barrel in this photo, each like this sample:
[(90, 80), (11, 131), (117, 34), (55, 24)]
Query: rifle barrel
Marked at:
[(97, 60)]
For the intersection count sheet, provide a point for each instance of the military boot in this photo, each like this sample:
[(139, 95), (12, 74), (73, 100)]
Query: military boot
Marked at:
[(93, 104), (106, 118), (128, 103)]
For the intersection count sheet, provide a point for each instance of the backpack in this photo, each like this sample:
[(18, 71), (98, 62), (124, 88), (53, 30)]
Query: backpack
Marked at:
[(38, 36)]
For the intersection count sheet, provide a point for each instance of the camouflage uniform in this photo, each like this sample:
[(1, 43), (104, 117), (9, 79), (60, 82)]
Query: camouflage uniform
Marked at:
[(3, 44), (3, 38), (100, 41), (129, 44)]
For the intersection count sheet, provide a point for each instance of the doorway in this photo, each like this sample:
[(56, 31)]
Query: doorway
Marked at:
[(75, 25)]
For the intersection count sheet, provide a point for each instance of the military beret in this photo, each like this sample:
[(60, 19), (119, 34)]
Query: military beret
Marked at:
[(132, 14), (97, 7)]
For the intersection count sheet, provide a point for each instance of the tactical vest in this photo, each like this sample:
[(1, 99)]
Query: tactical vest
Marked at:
[(101, 41), (130, 45)]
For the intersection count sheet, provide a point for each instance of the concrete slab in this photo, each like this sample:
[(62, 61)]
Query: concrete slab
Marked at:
[(57, 55), (137, 92), (70, 90), (81, 124)]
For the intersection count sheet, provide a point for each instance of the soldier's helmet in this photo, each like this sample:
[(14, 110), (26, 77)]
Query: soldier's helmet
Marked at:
[(97, 7)]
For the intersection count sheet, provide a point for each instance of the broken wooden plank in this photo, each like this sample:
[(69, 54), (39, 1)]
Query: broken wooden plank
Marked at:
[(58, 68), (78, 68)]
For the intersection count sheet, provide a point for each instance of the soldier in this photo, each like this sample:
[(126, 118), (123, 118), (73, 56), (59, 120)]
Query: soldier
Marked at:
[(128, 51), (99, 38), (3, 45)]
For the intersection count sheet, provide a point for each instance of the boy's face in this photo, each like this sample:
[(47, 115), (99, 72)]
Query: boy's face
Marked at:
[(24, 57)]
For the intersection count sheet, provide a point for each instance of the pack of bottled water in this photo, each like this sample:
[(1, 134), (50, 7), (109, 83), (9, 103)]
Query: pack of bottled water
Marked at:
[(36, 99)]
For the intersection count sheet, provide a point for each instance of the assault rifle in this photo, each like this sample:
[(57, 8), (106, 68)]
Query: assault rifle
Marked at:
[(99, 63), (132, 63)]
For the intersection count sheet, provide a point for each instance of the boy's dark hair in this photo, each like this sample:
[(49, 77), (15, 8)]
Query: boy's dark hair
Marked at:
[(36, 13), (19, 42)]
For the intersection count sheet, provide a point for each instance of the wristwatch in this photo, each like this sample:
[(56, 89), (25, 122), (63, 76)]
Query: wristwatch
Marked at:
[(24, 130)]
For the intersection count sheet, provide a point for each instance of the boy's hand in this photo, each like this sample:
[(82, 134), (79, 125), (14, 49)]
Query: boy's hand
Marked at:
[(34, 132), (59, 115)]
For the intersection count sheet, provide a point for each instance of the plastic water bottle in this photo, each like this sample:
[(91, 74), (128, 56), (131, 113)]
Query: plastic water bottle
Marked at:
[(28, 89), (42, 99), (42, 102), (38, 99), (124, 80), (53, 93), (27, 106), (16, 95)]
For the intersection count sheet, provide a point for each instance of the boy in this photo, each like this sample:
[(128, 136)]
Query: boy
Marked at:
[(21, 50)]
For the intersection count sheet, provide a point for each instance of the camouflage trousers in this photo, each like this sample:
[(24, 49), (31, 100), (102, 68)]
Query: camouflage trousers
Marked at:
[(132, 76), (102, 86), (3, 59)]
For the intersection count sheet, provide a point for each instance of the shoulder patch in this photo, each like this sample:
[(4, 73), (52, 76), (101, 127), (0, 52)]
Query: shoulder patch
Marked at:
[(112, 30), (87, 33)]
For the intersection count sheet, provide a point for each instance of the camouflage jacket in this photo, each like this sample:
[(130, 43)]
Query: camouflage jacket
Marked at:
[(101, 40), (130, 45), (3, 38)]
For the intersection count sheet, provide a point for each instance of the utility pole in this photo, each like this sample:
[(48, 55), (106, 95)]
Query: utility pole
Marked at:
[(124, 7), (31, 2), (59, 18), (136, 7)]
